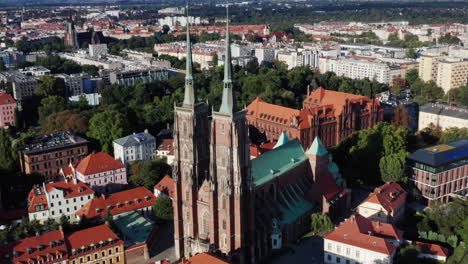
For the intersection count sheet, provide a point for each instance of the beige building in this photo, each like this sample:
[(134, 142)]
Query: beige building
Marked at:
[(442, 116), (452, 73), (428, 68), (447, 73)]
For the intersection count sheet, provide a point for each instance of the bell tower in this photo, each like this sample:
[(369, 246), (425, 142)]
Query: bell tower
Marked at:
[(230, 176), (191, 164)]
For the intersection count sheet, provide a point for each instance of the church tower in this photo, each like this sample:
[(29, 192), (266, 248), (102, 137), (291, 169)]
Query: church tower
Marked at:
[(71, 38), (230, 175), (191, 164)]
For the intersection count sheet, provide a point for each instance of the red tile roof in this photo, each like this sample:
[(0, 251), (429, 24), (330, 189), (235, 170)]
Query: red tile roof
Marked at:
[(166, 185), (204, 258), (361, 232), (324, 97), (432, 249), (166, 145), (6, 99), (37, 195), (93, 235), (47, 242), (329, 188), (98, 162), (120, 202), (389, 196), (260, 109)]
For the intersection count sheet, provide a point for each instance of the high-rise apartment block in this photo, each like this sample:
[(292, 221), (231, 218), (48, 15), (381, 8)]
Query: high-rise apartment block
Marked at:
[(447, 73)]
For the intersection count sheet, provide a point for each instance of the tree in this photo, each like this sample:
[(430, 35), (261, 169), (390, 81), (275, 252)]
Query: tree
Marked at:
[(107, 126), (7, 161), (51, 105), (453, 133), (149, 173), (408, 254), (163, 208), (411, 76), (411, 53), (392, 167), (49, 86), (65, 121), (320, 222), (401, 117), (2, 66)]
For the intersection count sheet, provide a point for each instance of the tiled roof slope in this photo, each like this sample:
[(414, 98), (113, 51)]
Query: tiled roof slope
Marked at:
[(361, 232), (6, 99), (134, 139), (120, 202), (37, 195), (98, 162), (433, 249), (166, 185), (389, 196), (100, 235), (41, 247), (204, 258), (277, 161), (324, 97)]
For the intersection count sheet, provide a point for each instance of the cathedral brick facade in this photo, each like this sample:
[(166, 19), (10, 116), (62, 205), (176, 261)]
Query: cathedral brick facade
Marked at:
[(327, 114)]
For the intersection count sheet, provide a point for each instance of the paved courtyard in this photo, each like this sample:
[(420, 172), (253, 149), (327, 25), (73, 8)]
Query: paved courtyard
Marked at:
[(309, 250)]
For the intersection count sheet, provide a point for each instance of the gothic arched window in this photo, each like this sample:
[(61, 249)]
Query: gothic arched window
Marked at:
[(205, 223), (223, 202), (184, 128)]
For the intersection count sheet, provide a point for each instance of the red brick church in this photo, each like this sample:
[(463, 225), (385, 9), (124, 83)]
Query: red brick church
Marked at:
[(330, 115), (232, 206)]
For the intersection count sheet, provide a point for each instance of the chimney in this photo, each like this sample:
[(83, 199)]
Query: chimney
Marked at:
[(74, 180), (308, 89), (37, 234)]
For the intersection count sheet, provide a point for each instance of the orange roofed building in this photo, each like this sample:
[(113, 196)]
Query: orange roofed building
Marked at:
[(137, 199), (203, 258), (360, 240), (165, 187), (92, 245), (330, 115), (386, 204), (100, 171)]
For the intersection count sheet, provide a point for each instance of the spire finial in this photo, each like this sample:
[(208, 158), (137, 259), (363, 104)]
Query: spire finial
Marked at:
[(189, 96), (228, 105)]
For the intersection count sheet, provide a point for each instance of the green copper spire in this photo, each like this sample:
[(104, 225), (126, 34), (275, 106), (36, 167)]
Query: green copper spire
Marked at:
[(189, 96), (228, 106), (317, 148)]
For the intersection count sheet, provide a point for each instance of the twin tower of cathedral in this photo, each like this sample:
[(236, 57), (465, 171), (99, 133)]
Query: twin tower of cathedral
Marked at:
[(211, 172)]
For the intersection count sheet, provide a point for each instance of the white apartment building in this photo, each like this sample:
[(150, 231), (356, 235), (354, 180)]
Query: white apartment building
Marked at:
[(238, 50), (23, 85), (36, 71), (136, 147), (173, 21), (97, 50), (442, 116), (359, 240), (452, 73), (57, 199), (265, 55), (291, 58), (73, 83), (358, 69)]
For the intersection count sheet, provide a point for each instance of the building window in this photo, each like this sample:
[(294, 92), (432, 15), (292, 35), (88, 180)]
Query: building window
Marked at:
[(338, 249), (224, 224), (222, 129), (338, 260), (348, 251), (329, 257), (329, 246), (184, 128), (357, 254)]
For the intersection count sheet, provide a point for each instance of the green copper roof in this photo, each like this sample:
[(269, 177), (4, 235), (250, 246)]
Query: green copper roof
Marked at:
[(189, 94), (317, 148), (294, 205), (277, 161), (283, 139), (134, 227)]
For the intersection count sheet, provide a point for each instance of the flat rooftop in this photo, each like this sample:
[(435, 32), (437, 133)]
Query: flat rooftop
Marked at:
[(50, 142), (442, 154), (445, 110)]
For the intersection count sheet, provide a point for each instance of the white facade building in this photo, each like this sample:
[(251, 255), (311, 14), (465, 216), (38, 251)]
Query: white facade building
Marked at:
[(97, 50), (36, 71), (359, 240), (358, 69), (136, 147), (442, 116), (265, 55), (57, 199)]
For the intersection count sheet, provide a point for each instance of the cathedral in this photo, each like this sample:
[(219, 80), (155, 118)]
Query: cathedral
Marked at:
[(229, 205)]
